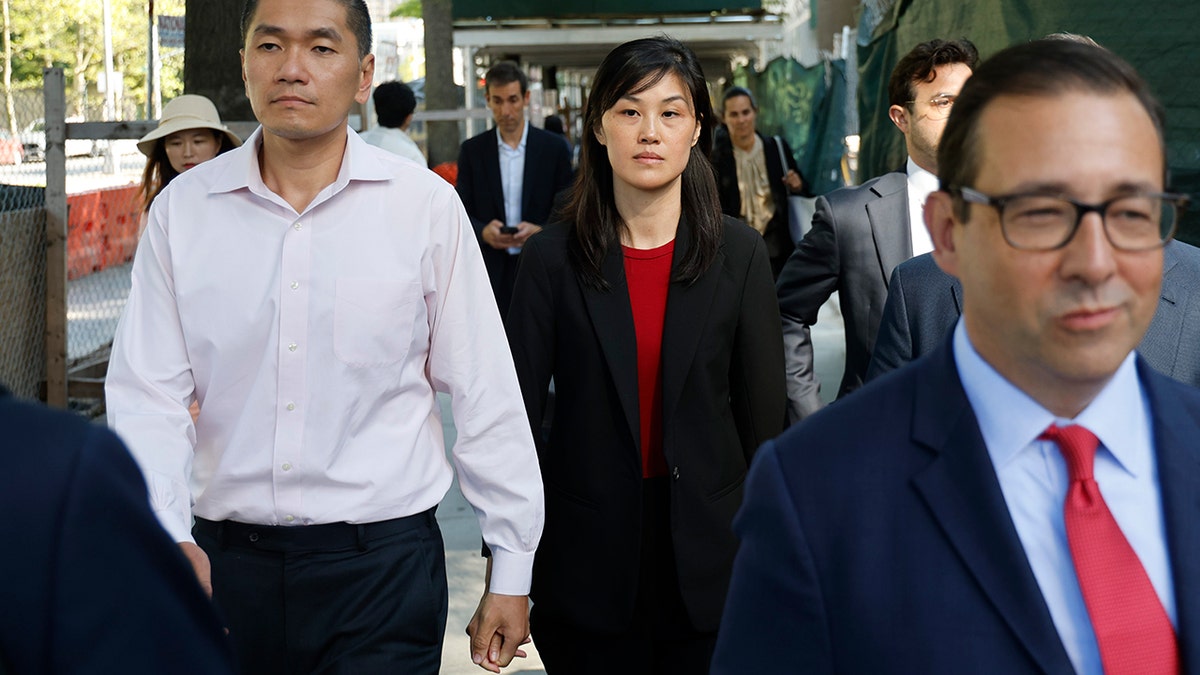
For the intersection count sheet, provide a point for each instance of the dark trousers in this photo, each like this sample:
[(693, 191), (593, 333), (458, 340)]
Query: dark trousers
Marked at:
[(660, 639), (335, 598)]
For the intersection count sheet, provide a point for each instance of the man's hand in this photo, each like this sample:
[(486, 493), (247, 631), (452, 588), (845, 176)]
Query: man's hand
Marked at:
[(492, 236), (792, 181), (500, 626), (199, 560), (525, 230)]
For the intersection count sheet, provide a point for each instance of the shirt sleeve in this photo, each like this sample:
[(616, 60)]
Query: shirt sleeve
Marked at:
[(149, 384), (494, 454)]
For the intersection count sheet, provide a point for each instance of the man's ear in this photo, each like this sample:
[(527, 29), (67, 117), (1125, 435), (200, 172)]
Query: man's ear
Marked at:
[(941, 223), (899, 116)]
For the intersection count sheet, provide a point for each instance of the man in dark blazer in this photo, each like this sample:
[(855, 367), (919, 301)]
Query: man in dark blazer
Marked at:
[(89, 580), (922, 525), (740, 114), (859, 234), (508, 177), (924, 303)]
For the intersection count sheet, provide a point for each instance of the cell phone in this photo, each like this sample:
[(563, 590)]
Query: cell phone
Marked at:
[(507, 229)]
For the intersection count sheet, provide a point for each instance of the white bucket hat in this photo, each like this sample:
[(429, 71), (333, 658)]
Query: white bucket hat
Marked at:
[(186, 112)]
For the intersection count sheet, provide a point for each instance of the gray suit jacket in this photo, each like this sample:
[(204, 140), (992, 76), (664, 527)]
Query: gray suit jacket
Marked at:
[(859, 235), (924, 303)]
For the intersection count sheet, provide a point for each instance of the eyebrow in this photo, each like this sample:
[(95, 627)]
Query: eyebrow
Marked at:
[(1054, 188), (315, 33), (670, 99)]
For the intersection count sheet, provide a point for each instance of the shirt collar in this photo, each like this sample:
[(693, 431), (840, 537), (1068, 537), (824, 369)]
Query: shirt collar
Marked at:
[(920, 180), (359, 162), (1010, 420), (520, 146)]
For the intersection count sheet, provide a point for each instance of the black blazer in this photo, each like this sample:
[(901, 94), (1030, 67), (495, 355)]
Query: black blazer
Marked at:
[(723, 395), (547, 172), (89, 580), (778, 237), (924, 303), (876, 539)]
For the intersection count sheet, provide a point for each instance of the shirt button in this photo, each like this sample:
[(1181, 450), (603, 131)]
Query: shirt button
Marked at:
[(675, 473), (291, 406), (298, 225), (289, 518), (292, 347), (287, 466), (295, 285)]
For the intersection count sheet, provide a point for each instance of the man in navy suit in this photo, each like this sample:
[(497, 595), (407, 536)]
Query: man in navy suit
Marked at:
[(924, 303), (89, 581), (937, 521), (508, 177)]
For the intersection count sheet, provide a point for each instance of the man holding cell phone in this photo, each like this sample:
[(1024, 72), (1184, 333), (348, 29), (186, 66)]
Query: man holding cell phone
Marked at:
[(508, 177)]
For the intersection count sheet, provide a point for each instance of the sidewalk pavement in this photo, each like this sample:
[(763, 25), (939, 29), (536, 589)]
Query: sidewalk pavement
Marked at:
[(460, 528)]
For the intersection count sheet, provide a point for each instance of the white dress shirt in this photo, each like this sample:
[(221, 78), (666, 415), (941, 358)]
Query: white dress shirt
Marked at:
[(921, 184), (315, 343), (512, 179), (396, 141), (1033, 477)]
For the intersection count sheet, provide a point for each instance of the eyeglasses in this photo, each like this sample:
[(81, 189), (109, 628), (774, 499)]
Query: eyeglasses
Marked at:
[(1039, 222), (939, 106)]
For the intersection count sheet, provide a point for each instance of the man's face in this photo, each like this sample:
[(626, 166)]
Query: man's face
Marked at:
[(1060, 321), (739, 118), (507, 104), (301, 67), (923, 120)]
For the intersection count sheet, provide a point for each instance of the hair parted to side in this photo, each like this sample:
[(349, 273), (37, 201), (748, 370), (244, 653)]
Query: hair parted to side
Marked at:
[(358, 20), (738, 91), (1042, 68), (631, 68), (918, 65), (505, 72), (159, 173), (394, 102)]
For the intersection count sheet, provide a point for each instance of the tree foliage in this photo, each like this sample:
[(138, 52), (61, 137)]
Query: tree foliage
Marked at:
[(70, 34)]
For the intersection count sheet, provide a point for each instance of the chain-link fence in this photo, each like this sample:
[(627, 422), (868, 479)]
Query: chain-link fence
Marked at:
[(102, 170)]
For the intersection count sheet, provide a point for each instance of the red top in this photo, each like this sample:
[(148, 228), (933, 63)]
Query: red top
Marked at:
[(648, 273)]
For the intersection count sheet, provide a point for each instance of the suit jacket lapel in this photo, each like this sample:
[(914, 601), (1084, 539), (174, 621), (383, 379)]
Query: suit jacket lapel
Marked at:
[(1175, 431), (889, 224), (491, 165), (961, 490), (1161, 342), (612, 319), (686, 318)]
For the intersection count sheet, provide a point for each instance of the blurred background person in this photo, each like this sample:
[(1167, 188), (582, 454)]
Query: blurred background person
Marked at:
[(395, 104), (190, 132), (755, 175), (554, 124), (656, 318)]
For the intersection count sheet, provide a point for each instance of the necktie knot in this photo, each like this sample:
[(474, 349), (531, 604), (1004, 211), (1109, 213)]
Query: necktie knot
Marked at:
[(1078, 447)]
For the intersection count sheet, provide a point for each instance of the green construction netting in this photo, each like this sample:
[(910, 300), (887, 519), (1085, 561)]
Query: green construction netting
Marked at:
[(806, 106), (1159, 37)]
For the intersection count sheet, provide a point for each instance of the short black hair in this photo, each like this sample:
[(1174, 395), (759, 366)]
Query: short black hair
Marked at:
[(394, 102), (738, 91), (918, 65), (1043, 68), (358, 20), (505, 72)]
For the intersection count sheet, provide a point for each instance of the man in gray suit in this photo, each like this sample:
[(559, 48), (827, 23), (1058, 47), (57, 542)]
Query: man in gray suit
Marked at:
[(924, 303), (860, 234)]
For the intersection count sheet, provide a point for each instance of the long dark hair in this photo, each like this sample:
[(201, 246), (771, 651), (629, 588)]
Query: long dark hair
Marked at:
[(629, 69), (159, 172)]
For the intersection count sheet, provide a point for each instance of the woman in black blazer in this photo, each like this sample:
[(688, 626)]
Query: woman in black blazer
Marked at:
[(656, 318)]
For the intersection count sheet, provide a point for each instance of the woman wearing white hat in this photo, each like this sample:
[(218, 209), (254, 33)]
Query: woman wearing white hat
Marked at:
[(190, 132)]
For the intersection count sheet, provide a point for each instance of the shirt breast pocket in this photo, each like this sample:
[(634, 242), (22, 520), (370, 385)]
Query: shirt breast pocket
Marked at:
[(373, 320)]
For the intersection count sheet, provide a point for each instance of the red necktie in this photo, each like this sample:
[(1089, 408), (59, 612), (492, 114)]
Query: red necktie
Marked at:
[(1132, 628)]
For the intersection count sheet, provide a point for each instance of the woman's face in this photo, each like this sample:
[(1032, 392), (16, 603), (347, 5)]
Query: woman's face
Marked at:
[(649, 136), (190, 147)]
